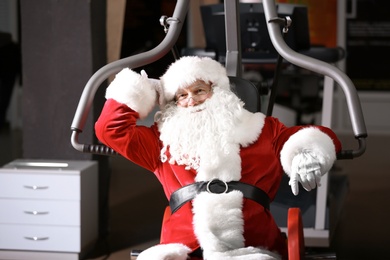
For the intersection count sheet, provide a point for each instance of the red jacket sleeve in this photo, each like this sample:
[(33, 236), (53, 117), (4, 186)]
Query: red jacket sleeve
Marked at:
[(117, 128), (282, 133)]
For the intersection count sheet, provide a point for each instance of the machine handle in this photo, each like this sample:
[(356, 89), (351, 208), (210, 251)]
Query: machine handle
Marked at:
[(167, 44), (131, 62), (353, 102)]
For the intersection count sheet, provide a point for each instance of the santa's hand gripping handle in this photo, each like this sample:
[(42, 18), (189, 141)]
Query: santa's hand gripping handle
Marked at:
[(135, 61)]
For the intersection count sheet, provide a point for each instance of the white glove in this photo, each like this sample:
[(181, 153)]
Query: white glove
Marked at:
[(157, 85), (306, 169)]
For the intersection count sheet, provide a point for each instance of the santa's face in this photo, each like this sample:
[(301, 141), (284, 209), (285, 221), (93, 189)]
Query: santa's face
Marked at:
[(194, 94), (200, 134)]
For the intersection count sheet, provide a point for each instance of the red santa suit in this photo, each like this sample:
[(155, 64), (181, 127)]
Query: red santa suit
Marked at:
[(265, 148)]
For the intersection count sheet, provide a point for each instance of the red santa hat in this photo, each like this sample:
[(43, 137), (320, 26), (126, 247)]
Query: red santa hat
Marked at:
[(189, 69)]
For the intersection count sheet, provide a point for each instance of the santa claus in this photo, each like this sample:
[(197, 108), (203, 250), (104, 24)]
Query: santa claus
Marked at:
[(220, 165)]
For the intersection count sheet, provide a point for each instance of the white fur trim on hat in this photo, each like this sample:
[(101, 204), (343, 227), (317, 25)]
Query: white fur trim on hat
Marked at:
[(309, 139), (133, 90), (165, 251), (188, 69)]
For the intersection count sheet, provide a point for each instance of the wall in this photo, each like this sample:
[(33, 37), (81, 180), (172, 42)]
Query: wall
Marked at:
[(63, 44), (375, 102)]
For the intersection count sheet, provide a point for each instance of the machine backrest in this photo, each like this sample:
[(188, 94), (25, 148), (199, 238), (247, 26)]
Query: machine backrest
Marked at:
[(247, 92)]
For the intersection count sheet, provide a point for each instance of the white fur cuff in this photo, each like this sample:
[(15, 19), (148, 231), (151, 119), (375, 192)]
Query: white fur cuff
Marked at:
[(165, 251), (133, 90), (309, 139), (246, 253)]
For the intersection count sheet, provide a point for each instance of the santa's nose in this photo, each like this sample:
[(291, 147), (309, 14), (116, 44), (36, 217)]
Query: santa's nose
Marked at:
[(192, 102)]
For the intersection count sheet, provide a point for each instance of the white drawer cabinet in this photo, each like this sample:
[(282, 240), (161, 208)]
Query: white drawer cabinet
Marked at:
[(20, 183), (38, 212), (41, 238), (48, 206)]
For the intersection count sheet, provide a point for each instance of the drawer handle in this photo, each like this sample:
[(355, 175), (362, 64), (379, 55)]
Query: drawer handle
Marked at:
[(37, 238), (34, 212), (34, 187)]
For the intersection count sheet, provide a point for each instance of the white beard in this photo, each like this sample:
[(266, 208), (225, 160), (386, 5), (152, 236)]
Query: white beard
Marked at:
[(203, 137)]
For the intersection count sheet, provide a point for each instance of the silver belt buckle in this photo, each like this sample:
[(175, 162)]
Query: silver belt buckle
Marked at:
[(216, 180)]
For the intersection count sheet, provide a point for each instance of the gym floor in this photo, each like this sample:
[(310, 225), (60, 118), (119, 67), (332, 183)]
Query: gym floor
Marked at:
[(136, 203)]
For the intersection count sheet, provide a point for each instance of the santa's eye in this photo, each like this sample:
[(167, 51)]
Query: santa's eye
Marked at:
[(201, 92), (181, 96)]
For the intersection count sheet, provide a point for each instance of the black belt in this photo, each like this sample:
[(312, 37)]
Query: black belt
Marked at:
[(188, 192)]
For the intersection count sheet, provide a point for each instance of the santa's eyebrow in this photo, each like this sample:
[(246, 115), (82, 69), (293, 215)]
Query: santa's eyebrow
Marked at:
[(201, 84)]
